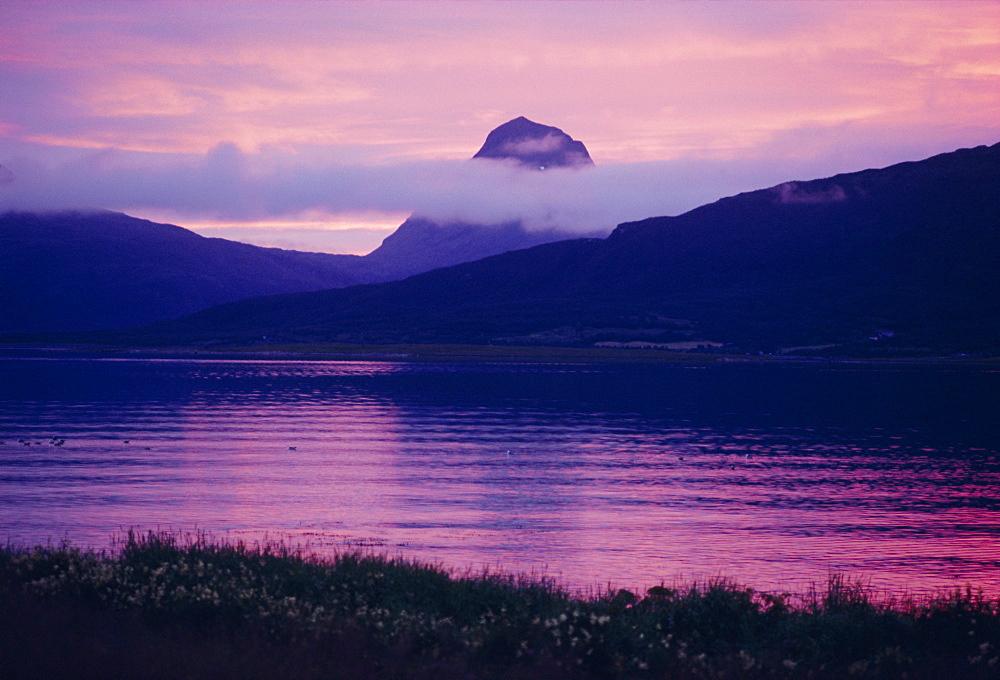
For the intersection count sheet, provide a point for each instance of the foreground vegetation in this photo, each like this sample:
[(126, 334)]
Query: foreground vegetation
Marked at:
[(163, 606)]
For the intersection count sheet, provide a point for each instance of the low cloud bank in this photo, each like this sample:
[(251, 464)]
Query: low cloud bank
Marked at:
[(227, 184)]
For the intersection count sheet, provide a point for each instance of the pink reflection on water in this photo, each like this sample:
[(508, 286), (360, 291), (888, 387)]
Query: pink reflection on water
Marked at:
[(591, 500)]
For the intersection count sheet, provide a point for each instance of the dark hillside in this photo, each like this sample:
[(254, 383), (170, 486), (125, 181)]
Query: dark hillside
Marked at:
[(897, 260), (85, 271)]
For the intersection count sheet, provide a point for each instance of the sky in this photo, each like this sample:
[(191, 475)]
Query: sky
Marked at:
[(323, 125)]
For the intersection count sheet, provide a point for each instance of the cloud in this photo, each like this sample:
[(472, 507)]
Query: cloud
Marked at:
[(227, 184), (636, 81), (253, 111), (524, 147)]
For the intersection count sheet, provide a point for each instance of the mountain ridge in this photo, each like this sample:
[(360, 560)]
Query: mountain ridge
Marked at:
[(87, 270), (905, 255)]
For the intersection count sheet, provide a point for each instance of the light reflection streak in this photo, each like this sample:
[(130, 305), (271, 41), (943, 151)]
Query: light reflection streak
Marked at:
[(411, 460)]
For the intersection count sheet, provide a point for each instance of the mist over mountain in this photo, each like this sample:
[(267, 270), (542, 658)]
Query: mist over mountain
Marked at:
[(901, 259), (73, 270), (534, 146), (423, 243)]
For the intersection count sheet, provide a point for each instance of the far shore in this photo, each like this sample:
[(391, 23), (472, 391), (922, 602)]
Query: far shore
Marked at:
[(469, 353)]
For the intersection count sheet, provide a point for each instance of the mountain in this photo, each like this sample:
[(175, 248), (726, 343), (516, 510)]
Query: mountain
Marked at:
[(901, 259), (75, 271), (421, 244), (91, 270), (534, 146)]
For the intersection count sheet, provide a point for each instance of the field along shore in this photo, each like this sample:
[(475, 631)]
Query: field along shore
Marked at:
[(163, 605)]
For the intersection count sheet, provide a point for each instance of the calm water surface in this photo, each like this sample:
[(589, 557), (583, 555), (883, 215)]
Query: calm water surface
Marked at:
[(631, 476)]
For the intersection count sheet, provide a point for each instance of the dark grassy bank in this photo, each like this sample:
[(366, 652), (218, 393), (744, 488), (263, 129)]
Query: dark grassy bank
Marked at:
[(160, 606)]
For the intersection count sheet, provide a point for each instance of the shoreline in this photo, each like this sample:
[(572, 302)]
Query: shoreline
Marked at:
[(461, 353)]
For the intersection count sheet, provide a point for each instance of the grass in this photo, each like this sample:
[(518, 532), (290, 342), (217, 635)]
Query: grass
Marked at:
[(160, 605)]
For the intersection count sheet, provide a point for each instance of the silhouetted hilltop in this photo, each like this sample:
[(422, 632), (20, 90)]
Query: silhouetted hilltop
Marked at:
[(534, 146), (90, 270)]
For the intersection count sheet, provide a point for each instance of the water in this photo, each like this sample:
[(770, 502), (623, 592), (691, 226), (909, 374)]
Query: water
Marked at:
[(775, 475)]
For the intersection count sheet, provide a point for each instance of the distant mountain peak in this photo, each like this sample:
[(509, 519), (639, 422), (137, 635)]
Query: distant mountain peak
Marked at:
[(534, 145), (421, 243)]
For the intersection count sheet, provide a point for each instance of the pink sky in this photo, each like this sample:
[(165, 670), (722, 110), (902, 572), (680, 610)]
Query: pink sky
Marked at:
[(321, 125)]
